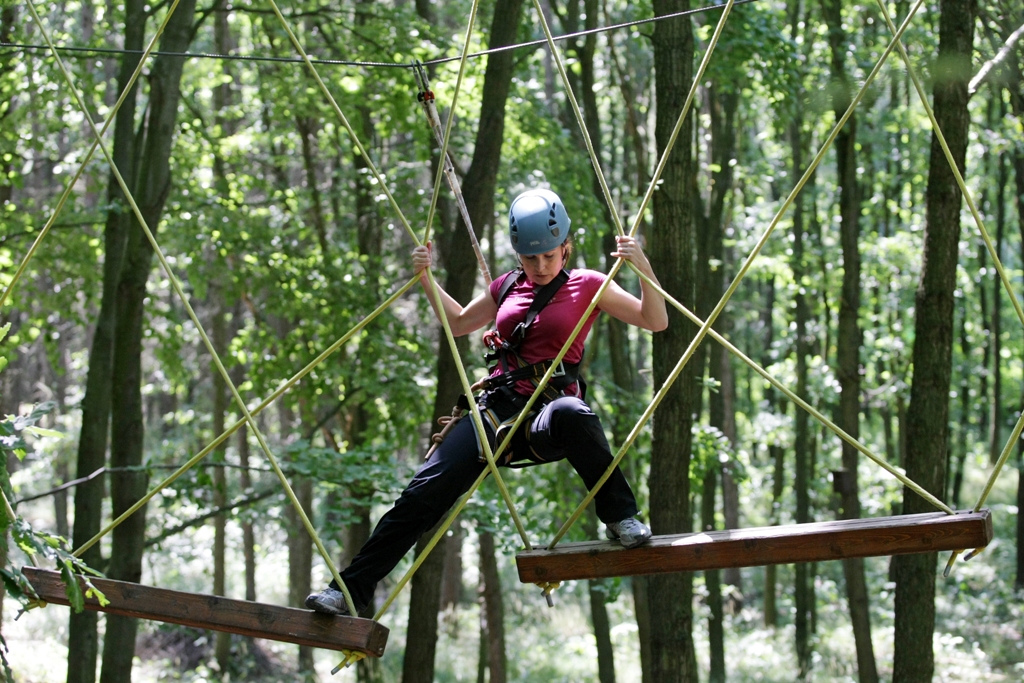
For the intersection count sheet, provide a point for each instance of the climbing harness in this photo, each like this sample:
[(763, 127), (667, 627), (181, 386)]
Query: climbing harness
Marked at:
[(499, 403)]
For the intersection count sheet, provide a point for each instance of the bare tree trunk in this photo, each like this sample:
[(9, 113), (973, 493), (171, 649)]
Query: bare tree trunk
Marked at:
[(642, 608), (778, 457), (803, 589), (83, 644), (151, 189), (722, 105), (716, 626), (451, 581), (996, 415), (848, 338), (62, 470), (493, 609), (597, 592), (1015, 87), (671, 241), (248, 533), (222, 641), (928, 414)]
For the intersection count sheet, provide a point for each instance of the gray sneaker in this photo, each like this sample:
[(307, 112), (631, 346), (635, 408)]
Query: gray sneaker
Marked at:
[(629, 532), (328, 601)]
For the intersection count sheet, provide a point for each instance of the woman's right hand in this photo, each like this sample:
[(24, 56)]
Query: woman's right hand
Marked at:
[(421, 258)]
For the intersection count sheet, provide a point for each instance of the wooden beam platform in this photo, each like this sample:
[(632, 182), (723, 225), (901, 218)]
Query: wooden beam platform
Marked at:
[(272, 622), (815, 542)]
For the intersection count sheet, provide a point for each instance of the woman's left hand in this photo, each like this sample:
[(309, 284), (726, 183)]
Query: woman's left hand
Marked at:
[(628, 248)]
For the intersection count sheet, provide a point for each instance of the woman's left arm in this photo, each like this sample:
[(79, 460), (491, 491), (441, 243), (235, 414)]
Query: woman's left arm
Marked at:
[(649, 310)]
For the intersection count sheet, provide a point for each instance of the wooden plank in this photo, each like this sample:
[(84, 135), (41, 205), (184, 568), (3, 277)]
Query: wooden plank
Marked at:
[(816, 542), (253, 619)]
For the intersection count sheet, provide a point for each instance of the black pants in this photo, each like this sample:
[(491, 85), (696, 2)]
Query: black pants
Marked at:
[(565, 428)]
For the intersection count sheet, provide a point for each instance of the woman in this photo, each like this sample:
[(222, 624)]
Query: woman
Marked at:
[(535, 308)]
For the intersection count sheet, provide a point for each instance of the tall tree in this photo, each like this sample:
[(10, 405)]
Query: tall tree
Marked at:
[(456, 252), (152, 186), (222, 641), (83, 644), (928, 413), (671, 253), (492, 610), (722, 103), (848, 337), (1015, 88)]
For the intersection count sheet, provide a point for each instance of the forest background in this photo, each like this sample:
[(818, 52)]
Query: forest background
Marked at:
[(875, 300)]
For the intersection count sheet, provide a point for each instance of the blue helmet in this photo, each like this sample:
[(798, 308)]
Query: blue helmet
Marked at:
[(537, 222)]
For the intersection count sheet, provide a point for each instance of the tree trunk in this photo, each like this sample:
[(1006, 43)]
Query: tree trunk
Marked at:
[(928, 413), (248, 534), (995, 440), (460, 262), (722, 104), (848, 338), (642, 607), (671, 253), (151, 189), (92, 444), (1015, 86), (493, 610), (451, 581), (716, 626), (778, 456), (222, 641), (803, 590), (300, 558), (597, 592)]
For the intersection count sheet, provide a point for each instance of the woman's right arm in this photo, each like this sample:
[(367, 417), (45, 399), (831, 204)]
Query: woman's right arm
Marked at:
[(462, 319)]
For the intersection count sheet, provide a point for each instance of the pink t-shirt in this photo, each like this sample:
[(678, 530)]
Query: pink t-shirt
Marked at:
[(553, 324)]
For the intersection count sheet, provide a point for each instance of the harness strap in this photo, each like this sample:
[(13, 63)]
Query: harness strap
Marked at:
[(565, 375)]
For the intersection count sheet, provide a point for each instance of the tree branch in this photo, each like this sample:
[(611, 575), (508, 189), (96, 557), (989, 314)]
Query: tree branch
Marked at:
[(196, 521), (1001, 55)]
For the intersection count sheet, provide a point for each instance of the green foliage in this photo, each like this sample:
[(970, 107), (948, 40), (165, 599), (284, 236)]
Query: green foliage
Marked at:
[(34, 543)]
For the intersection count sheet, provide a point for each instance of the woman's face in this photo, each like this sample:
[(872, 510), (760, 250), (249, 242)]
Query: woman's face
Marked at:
[(542, 268)]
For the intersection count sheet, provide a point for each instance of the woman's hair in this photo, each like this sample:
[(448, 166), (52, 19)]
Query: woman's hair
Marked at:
[(567, 244)]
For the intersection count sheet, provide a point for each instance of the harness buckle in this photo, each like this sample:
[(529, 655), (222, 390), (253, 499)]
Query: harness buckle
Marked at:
[(559, 370)]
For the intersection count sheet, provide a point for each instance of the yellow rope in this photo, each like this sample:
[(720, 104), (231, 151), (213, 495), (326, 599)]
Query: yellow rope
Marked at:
[(421, 557), (88, 155), (176, 285), (684, 112), (351, 657), (580, 121), (618, 264), (285, 386), (344, 121), (492, 467), (475, 414), (448, 129), (706, 326), (1001, 462), (838, 431)]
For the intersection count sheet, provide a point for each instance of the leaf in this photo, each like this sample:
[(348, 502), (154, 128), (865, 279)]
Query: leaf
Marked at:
[(93, 592), (4, 330), (17, 585), (42, 431), (71, 587), (39, 412), (3, 651)]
